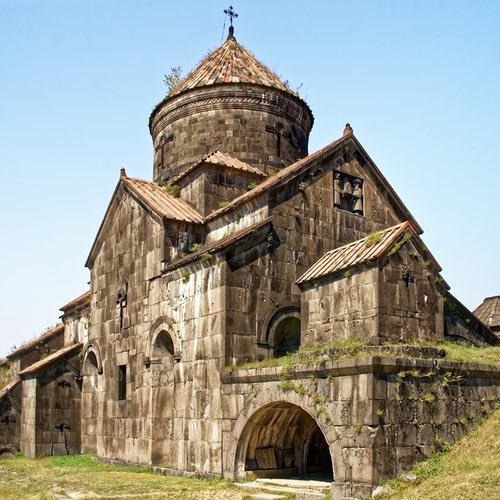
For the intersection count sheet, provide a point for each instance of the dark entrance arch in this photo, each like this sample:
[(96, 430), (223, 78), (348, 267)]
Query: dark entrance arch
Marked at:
[(283, 440)]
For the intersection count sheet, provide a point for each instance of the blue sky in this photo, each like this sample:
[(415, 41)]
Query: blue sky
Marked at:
[(418, 80)]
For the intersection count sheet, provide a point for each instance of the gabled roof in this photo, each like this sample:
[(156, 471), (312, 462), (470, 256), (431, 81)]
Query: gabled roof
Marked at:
[(52, 358), (489, 311), (44, 337), (220, 159), (358, 252), (160, 201), (153, 198), (296, 169), (230, 63)]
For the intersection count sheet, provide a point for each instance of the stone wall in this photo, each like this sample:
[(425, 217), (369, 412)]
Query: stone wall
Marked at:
[(208, 189), (129, 256), (305, 226), (378, 415), (342, 306), (28, 417), (376, 301), (10, 421), (232, 119), (58, 401), (189, 305)]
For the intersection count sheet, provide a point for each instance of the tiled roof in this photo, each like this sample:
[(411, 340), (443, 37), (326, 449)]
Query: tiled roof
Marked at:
[(83, 299), (216, 246), (56, 330), (51, 358), (221, 159), (230, 63), (489, 311), (157, 199), (370, 248)]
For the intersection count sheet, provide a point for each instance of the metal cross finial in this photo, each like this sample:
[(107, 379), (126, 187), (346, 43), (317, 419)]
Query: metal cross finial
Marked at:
[(231, 14)]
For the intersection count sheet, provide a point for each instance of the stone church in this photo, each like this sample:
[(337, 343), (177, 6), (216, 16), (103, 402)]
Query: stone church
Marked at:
[(254, 309)]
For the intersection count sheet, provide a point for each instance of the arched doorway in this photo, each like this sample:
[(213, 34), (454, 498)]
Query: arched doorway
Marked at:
[(90, 411), (162, 365), (283, 440)]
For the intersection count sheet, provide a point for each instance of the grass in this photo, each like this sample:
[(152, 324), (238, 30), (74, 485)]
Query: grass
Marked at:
[(315, 353), (352, 348), (373, 239), (467, 470), (468, 354), (83, 477)]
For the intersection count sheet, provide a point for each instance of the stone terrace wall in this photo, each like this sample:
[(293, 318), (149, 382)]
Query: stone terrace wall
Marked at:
[(378, 415)]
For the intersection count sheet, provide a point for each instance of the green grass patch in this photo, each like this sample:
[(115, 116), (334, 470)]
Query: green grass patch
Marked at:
[(468, 469), (309, 354), (85, 477), (469, 354), (352, 348)]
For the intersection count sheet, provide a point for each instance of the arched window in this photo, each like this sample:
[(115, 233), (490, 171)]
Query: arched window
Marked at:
[(163, 345), (287, 336)]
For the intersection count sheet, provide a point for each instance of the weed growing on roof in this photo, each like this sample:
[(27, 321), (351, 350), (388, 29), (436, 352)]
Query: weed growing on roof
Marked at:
[(172, 79), (205, 256), (195, 247), (373, 239), (251, 185), (397, 246), (172, 189)]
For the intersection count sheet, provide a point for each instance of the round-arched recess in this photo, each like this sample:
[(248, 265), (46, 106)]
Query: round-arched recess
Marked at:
[(7, 451), (163, 345), (287, 336), (282, 331), (283, 440)]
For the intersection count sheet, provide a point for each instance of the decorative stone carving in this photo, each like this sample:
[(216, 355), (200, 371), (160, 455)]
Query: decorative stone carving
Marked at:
[(348, 193)]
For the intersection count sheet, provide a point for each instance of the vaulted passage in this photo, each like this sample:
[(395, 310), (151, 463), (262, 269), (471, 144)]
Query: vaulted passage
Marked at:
[(282, 440)]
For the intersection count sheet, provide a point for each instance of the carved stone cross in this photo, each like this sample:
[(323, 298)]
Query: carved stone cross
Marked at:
[(121, 303), (162, 147), (277, 129), (408, 278)]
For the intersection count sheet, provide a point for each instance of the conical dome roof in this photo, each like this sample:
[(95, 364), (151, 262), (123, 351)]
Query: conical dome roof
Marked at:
[(230, 63)]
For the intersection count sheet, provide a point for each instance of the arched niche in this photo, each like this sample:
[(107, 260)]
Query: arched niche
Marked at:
[(163, 338), (92, 358), (91, 372), (282, 330)]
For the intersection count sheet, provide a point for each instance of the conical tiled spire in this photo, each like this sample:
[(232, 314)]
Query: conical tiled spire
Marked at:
[(230, 63)]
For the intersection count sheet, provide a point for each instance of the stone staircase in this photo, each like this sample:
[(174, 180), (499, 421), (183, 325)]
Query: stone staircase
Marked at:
[(274, 489)]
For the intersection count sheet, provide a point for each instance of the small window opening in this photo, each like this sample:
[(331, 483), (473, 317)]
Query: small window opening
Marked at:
[(122, 382)]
